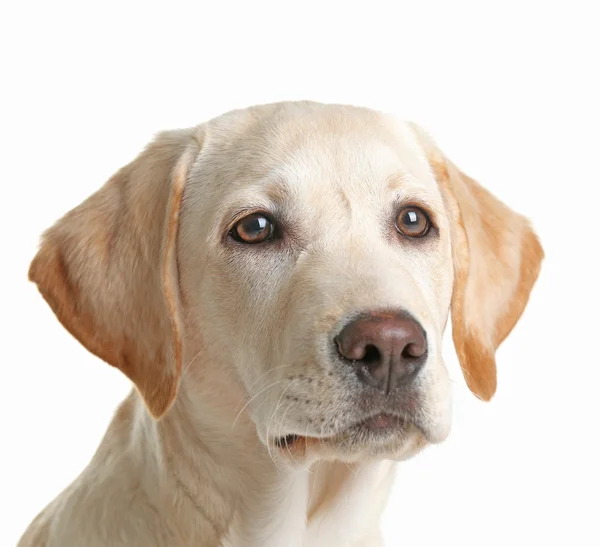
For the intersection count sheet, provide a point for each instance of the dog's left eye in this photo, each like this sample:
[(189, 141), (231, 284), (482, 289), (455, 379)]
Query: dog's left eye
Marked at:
[(255, 228), (412, 222)]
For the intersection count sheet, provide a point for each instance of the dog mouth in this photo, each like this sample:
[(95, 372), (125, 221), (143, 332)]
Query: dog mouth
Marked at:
[(373, 428), (288, 441)]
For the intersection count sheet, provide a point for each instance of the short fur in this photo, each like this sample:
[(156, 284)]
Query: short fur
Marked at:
[(229, 346)]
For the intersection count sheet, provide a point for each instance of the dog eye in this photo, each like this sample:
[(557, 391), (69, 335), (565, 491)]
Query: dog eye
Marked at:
[(413, 222), (255, 228)]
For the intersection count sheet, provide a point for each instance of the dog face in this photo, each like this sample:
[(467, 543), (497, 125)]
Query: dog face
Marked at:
[(310, 240), (315, 251)]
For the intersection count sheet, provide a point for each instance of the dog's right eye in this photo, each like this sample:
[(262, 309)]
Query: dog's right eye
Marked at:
[(255, 228)]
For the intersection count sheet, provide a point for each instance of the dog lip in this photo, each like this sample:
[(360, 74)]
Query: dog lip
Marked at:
[(380, 422)]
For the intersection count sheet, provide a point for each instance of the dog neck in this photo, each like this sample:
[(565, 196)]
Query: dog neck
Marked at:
[(220, 486), (225, 473)]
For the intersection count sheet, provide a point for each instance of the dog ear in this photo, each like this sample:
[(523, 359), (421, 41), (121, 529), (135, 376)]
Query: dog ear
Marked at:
[(108, 268), (497, 259)]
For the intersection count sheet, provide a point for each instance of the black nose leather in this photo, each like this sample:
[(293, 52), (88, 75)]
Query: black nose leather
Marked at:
[(386, 349)]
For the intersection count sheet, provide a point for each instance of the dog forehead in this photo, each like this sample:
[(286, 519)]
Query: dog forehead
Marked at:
[(316, 151)]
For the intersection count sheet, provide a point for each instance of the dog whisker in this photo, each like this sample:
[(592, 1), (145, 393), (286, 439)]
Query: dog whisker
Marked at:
[(189, 364), (252, 399), (275, 412), (266, 373)]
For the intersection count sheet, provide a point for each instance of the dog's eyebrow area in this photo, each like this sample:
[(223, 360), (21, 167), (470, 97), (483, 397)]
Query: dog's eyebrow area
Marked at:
[(289, 190), (274, 194), (419, 197)]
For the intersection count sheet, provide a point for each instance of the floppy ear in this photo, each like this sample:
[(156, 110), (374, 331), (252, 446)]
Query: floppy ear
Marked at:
[(497, 258), (108, 268)]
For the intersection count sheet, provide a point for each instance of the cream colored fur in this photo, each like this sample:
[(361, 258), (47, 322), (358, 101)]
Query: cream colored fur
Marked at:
[(229, 346)]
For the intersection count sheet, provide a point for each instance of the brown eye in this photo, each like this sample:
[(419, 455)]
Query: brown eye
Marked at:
[(412, 222), (255, 228)]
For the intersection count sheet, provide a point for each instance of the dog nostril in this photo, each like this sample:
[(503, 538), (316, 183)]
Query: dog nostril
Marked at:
[(372, 354), (413, 351)]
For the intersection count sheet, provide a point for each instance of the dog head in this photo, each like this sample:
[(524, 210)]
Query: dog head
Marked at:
[(313, 253)]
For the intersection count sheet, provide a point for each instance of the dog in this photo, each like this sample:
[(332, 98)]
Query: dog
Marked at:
[(275, 283)]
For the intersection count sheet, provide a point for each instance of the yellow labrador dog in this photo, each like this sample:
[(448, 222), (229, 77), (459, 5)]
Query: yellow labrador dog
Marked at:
[(275, 283)]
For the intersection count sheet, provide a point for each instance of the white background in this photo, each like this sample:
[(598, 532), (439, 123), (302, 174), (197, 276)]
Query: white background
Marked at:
[(510, 92)]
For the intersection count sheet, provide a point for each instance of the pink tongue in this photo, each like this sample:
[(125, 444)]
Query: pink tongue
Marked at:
[(380, 421)]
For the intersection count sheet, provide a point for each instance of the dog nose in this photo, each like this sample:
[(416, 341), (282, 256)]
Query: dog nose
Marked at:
[(386, 349)]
